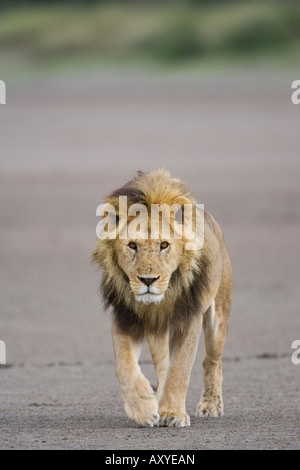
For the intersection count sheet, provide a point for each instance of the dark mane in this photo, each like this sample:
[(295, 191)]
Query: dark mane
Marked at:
[(190, 301), (134, 195)]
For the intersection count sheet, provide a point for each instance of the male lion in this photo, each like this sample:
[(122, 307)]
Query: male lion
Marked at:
[(161, 290)]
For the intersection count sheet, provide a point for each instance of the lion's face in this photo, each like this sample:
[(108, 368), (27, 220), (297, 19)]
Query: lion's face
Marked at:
[(149, 265)]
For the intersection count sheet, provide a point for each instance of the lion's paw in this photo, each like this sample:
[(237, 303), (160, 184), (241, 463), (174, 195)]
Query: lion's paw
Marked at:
[(209, 408), (141, 404), (174, 418)]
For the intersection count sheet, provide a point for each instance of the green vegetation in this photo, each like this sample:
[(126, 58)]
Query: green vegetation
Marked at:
[(151, 31)]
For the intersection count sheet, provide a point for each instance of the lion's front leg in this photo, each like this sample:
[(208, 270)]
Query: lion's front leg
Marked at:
[(159, 348), (183, 351), (139, 399)]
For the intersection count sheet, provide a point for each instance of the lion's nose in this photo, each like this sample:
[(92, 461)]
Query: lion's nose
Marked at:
[(148, 280)]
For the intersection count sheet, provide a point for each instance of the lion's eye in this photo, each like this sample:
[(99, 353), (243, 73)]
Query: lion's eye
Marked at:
[(132, 245), (164, 245)]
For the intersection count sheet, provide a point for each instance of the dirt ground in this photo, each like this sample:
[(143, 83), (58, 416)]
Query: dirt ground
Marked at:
[(65, 143)]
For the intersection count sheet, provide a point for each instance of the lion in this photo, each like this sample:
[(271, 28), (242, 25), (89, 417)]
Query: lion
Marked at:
[(163, 292)]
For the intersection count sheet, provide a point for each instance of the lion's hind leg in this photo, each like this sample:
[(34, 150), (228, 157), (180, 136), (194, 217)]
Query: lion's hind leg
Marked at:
[(215, 330)]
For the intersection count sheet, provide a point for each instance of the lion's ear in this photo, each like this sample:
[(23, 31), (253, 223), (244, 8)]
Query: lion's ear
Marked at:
[(108, 211), (106, 227), (112, 218), (182, 201), (179, 214)]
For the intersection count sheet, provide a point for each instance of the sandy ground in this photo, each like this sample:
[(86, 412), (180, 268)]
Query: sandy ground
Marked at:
[(65, 143)]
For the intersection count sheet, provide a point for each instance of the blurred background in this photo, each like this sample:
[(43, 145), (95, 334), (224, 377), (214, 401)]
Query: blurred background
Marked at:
[(97, 90), (39, 34)]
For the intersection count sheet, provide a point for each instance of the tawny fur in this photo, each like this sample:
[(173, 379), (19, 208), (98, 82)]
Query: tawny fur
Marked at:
[(193, 287)]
